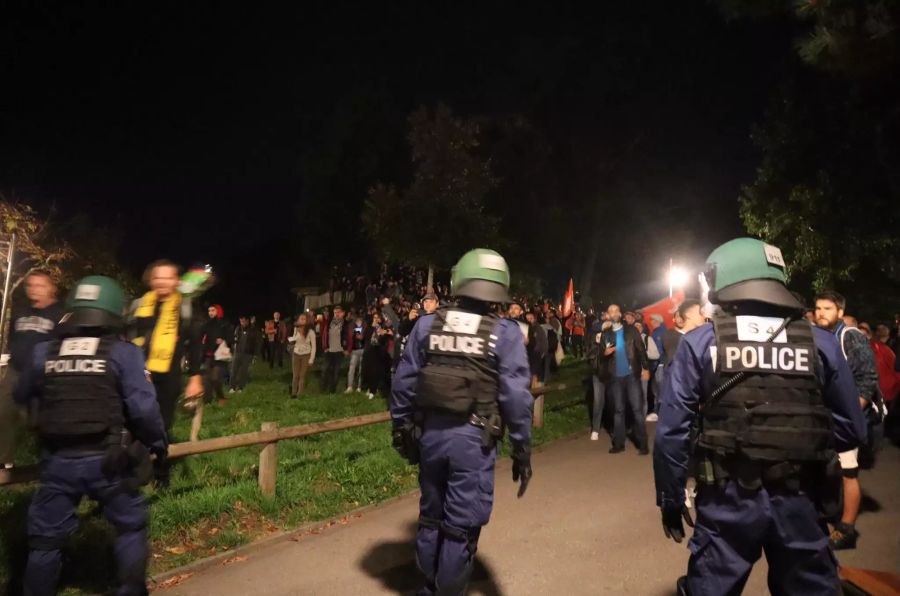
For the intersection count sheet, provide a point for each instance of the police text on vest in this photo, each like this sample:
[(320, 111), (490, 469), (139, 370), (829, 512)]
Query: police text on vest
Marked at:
[(456, 343), (767, 357), (74, 366)]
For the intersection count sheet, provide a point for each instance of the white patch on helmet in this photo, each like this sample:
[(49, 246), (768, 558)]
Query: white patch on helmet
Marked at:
[(495, 262)]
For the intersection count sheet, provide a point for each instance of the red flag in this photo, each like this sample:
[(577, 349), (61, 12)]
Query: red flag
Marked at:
[(568, 306), (665, 307)]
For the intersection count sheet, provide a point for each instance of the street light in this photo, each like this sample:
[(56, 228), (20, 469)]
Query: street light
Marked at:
[(678, 277)]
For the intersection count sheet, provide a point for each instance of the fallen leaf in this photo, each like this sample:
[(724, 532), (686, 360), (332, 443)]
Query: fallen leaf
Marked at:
[(176, 550), (237, 559), (211, 551), (213, 531), (238, 505), (172, 581)]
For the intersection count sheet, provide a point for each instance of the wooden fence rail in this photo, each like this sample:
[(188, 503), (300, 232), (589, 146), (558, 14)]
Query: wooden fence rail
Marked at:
[(268, 436)]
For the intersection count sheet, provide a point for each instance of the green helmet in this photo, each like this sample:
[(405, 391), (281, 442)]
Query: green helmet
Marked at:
[(95, 301), (481, 274), (748, 269)]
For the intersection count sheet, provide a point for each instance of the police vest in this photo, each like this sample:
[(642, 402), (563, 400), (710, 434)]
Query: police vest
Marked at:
[(776, 412), (81, 409), (460, 371)]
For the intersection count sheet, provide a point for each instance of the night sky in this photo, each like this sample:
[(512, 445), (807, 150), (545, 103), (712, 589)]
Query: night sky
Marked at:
[(220, 135)]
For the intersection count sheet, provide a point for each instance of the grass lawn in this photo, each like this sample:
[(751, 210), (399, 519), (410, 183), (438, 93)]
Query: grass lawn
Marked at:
[(214, 503)]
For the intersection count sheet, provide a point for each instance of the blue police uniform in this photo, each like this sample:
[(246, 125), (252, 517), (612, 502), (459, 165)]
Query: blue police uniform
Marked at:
[(733, 523), (64, 480), (456, 467)]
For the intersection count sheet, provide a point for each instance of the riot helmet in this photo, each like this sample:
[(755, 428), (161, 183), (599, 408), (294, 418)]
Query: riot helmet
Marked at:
[(95, 301), (747, 269), (481, 274)]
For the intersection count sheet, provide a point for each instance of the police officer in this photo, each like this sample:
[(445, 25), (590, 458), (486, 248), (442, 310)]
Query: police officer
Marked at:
[(764, 400), (97, 415), (463, 377)]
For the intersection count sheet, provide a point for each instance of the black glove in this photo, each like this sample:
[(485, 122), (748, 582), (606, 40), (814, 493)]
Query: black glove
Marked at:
[(160, 471), (671, 521), (522, 468), (406, 442)]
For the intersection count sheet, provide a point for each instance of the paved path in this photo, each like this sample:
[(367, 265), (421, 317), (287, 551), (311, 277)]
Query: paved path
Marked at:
[(588, 525)]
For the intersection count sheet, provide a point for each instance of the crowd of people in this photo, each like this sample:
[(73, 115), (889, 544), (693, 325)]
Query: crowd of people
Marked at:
[(360, 347)]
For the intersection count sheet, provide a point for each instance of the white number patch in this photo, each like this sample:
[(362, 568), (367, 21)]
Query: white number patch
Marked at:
[(760, 329), (79, 346), (462, 322), (773, 256)]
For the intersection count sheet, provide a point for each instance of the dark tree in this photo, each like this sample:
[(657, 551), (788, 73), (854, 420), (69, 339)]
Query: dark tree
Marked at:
[(442, 212)]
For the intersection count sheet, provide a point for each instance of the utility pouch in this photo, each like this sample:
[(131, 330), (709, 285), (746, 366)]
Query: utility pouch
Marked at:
[(140, 466), (115, 460)]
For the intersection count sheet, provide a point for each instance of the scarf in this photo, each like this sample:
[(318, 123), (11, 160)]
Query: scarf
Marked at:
[(164, 336)]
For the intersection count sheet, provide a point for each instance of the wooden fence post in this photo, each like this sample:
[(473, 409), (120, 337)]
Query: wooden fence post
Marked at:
[(268, 463), (538, 421)]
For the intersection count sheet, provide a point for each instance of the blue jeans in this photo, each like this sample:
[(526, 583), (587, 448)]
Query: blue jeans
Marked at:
[(622, 389), (599, 403), (658, 378)]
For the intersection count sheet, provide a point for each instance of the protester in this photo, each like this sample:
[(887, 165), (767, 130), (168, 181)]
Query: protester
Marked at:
[(245, 342), (629, 368), (888, 379), (357, 347), (216, 352), (658, 325), (163, 325), (303, 354), (430, 303), (552, 343), (267, 349), (603, 347), (29, 326), (376, 361), (403, 331), (279, 340), (829, 315), (336, 346), (536, 348), (652, 357), (686, 318), (576, 325)]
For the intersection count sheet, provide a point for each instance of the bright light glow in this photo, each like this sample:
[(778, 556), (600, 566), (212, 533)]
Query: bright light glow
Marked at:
[(678, 277)]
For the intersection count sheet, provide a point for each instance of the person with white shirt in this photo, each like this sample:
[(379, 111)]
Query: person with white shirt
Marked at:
[(303, 355)]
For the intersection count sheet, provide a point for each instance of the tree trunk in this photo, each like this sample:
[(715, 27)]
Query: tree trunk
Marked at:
[(430, 283)]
